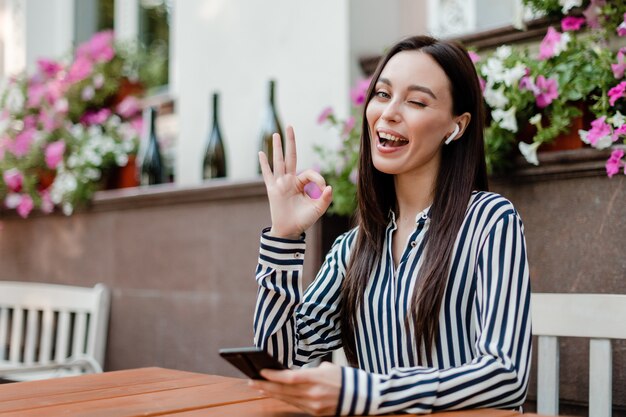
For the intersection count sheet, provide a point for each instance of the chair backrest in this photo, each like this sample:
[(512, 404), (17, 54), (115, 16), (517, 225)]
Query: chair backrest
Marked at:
[(600, 317), (42, 324)]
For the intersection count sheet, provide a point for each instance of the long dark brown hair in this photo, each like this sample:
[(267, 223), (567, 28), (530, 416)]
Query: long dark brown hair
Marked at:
[(462, 170)]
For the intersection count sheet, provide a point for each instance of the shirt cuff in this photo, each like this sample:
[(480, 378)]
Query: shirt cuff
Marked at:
[(280, 253), (357, 394)]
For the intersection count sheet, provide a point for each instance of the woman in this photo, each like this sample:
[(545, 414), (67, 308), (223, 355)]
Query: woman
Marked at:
[(429, 294)]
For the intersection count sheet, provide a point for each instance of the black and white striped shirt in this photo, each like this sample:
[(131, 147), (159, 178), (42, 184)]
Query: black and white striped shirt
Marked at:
[(481, 354)]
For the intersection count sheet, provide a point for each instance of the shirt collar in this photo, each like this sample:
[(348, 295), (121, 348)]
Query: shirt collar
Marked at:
[(423, 215)]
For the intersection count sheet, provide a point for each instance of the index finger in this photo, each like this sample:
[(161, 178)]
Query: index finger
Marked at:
[(291, 157), (287, 376)]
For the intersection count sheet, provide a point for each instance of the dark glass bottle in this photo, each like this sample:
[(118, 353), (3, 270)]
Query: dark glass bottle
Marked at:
[(151, 169), (214, 164), (271, 125)]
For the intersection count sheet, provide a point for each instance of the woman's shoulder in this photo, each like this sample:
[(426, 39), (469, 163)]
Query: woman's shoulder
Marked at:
[(490, 206)]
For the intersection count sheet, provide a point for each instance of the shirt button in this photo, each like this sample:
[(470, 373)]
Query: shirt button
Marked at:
[(296, 255), (424, 216), (413, 244)]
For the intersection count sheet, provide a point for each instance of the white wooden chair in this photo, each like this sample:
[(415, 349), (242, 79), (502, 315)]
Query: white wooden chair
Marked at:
[(600, 317), (49, 330)]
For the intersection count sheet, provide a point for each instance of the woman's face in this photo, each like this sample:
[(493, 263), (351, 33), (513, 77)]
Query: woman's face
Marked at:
[(410, 115)]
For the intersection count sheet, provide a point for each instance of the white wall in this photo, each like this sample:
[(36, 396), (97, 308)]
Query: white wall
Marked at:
[(375, 25), (49, 29), (236, 46)]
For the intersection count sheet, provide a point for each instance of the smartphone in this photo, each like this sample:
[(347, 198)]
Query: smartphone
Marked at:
[(250, 360)]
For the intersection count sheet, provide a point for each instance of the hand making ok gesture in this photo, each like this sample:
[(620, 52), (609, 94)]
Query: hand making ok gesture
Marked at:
[(292, 210)]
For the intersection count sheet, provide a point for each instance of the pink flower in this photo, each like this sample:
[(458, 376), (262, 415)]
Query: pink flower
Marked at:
[(616, 92), (95, 117), (548, 91), (571, 23), (137, 125), (48, 121), (22, 142), (482, 83), (527, 83), (99, 48), (348, 125), (324, 115), (599, 130), (49, 67), (47, 206), (55, 90), (35, 93), (620, 66), (549, 44), (54, 154), (13, 179), (80, 69), (620, 131), (614, 163), (25, 206), (358, 92), (30, 121), (592, 13), (61, 105), (128, 107), (473, 56), (312, 190), (621, 29)]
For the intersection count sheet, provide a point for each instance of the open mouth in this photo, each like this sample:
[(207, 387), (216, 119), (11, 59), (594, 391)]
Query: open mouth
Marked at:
[(390, 141)]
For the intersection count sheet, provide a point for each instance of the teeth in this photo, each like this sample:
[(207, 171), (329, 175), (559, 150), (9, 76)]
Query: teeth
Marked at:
[(393, 138)]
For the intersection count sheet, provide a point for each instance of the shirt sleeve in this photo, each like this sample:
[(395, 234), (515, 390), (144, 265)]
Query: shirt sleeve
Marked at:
[(497, 376), (292, 327)]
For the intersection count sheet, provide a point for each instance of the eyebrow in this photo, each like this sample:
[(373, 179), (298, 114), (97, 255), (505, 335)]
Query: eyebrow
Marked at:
[(413, 87)]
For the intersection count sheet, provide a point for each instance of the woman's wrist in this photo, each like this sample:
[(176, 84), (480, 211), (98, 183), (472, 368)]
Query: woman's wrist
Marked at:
[(281, 234)]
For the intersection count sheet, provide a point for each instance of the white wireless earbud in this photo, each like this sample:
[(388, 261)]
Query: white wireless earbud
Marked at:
[(453, 135)]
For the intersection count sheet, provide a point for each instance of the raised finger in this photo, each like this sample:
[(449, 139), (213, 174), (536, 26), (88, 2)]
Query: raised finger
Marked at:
[(291, 156), (279, 161), (265, 169)]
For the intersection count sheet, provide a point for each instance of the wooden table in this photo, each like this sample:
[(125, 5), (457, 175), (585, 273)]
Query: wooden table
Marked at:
[(153, 392)]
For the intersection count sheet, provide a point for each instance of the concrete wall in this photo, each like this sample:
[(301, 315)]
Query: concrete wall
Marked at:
[(180, 264)]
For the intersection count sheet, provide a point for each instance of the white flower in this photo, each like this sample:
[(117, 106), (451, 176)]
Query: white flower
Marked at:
[(88, 93), (495, 98), (562, 45), (535, 120), (68, 209), (14, 101), (617, 120), (4, 123), (569, 4), (493, 70), (530, 151), (12, 200), (98, 81), (503, 52), (514, 74), (92, 174), (61, 105), (506, 119), (121, 159), (602, 143)]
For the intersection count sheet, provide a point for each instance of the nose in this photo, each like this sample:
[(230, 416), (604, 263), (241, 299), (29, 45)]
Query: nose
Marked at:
[(391, 111)]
